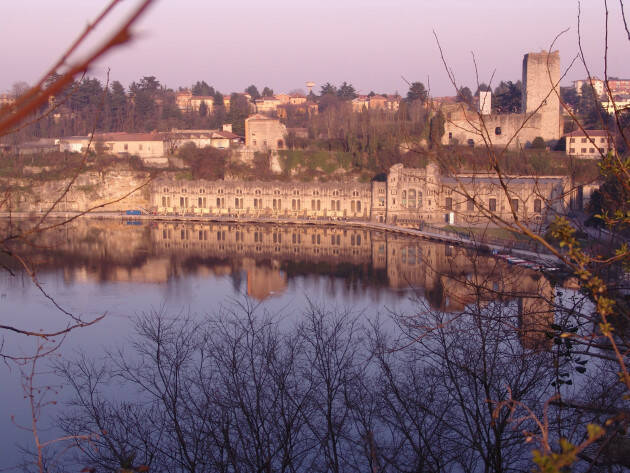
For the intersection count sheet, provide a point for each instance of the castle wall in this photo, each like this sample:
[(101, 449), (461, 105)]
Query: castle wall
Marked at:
[(515, 130), (263, 133), (540, 111)]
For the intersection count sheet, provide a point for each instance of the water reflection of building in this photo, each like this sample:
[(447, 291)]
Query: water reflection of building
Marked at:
[(449, 278)]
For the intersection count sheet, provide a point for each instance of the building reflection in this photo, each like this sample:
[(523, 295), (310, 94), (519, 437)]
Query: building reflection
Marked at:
[(449, 278)]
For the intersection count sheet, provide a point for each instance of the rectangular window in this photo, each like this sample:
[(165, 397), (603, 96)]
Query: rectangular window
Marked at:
[(537, 205), (181, 201), (313, 204), (571, 150), (319, 204), (572, 140), (515, 205), (470, 205), (352, 205), (358, 206), (583, 140), (163, 201), (218, 202), (583, 150), (492, 204), (449, 203)]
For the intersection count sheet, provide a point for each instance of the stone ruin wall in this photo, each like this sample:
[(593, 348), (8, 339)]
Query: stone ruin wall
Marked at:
[(540, 111)]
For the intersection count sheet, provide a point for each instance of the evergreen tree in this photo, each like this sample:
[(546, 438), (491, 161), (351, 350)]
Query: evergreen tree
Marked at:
[(239, 111), (252, 90), (328, 89), (508, 97), (346, 92), (417, 91), (202, 89)]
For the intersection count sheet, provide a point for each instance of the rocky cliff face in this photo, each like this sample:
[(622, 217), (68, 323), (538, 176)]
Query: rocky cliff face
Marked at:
[(115, 189)]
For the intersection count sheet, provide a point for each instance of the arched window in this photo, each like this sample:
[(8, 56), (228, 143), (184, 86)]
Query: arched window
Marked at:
[(404, 198)]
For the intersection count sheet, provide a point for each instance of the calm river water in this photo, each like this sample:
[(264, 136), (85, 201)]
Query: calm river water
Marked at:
[(126, 268)]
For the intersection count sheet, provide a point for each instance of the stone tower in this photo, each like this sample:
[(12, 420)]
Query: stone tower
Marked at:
[(540, 70)]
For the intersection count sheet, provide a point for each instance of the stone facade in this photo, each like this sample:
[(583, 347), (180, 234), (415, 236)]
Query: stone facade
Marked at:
[(540, 111), (409, 197), (264, 199), (263, 133)]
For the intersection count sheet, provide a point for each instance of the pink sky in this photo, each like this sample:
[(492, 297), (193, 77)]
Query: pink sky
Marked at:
[(284, 43)]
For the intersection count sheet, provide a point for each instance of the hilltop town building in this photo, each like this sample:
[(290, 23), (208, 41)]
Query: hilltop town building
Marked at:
[(589, 144), (149, 145), (376, 102), (540, 115), (617, 86), (6, 99)]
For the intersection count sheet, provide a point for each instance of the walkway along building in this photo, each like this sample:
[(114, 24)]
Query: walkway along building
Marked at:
[(408, 197)]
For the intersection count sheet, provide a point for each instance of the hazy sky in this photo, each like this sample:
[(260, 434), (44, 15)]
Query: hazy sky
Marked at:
[(284, 43)]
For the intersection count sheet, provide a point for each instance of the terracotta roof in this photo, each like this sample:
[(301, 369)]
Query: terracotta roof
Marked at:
[(589, 133)]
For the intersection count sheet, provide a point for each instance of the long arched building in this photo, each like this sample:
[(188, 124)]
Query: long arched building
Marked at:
[(408, 197)]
